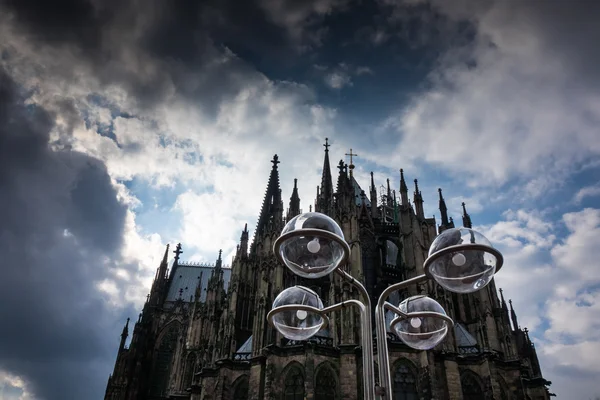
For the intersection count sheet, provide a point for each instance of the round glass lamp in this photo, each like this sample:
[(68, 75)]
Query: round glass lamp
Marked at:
[(462, 260), (312, 245), (296, 313), (422, 324)]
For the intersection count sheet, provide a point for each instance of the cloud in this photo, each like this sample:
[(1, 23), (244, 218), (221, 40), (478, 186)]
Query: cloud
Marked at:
[(588, 191), (516, 101), (62, 228), (338, 80), (555, 290)]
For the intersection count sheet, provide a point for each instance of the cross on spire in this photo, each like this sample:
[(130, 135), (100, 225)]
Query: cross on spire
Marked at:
[(351, 155), (177, 252), (275, 161), (351, 166), (326, 145)]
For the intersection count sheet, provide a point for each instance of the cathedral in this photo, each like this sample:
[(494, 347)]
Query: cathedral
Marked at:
[(203, 332)]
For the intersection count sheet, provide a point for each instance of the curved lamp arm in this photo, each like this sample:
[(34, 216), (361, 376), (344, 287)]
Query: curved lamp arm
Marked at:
[(385, 379), (369, 389)]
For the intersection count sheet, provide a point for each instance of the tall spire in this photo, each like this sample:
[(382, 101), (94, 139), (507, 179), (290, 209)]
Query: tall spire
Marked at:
[(513, 316), (388, 198), (243, 250), (466, 217), (124, 335), (325, 200), (294, 202), (418, 200), (162, 270), (403, 189), (443, 209), (373, 196), (219, 263), (272, 207)]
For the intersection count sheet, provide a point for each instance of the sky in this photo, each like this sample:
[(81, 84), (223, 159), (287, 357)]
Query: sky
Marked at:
[(126, 125)]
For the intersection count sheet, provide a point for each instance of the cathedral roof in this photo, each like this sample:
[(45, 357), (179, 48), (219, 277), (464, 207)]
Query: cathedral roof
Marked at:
[(463, 337), (357, 192), (186, 277), (246, 347)]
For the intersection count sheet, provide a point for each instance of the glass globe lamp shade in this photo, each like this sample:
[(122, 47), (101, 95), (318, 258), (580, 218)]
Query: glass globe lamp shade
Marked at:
[(462, 260), (421, 332), (312, 245), (297, 323)]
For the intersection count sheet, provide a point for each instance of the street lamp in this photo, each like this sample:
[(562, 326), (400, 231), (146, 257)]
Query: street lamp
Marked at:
[(312, 245)]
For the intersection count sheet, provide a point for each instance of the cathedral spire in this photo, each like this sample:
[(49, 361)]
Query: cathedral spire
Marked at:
[(325, 197), (466, 217), (124, 335), (373, 197), (513, 316), (219, 263), (418, 200), (443, 209), (162, 269), (403, 190), (243, 248), (272, 207), (389, 194), (294, 202)]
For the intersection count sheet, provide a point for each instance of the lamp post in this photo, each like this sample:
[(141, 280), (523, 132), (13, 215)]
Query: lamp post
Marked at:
[(312, 245)]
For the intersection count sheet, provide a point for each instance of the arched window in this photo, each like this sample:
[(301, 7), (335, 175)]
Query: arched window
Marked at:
[(325, 384), (294, 384), (472, 388), (240, 391), (405, 382), (190, 366), (391, 253), (163, 359)]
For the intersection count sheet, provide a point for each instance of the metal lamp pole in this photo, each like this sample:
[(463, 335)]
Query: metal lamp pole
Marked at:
[(312, 245)]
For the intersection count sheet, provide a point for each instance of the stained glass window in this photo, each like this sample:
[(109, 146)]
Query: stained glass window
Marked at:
[(241, 388), (471, 386), (405, 383), (325, 384), (163, 359), (294, 384)]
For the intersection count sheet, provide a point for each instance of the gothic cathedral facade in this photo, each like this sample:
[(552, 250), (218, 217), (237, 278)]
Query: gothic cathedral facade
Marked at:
[(203, 332)]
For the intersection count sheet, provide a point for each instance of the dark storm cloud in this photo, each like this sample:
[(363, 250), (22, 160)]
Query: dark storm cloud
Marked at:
[(60, 220), (158, 49)]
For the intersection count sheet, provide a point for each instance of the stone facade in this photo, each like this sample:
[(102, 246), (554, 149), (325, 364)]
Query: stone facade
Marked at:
[(203, 332)]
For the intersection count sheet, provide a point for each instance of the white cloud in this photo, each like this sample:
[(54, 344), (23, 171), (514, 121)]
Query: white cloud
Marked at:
[(588, 191), (503, 107), (338, 80), (13, 387), (554, 287)]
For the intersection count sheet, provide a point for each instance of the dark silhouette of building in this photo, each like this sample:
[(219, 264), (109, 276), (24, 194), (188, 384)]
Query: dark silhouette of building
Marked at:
[(203, 332)]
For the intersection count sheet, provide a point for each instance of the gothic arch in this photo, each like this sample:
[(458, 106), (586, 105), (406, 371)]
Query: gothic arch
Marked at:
[(472, 386), (292, 380), (164, 350), (240, 388), (189, 369), (404, 380), (326, 382)]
